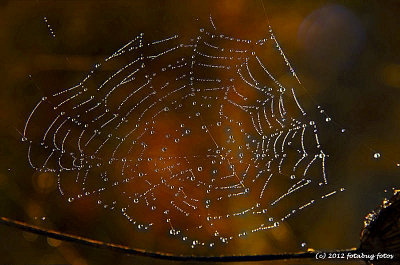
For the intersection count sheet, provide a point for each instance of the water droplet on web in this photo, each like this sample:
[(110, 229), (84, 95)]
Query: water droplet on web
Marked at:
[(377, 155), (303, 245), (328, 119)]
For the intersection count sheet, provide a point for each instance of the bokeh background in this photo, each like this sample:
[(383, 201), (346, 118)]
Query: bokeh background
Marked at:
[(346, 53)]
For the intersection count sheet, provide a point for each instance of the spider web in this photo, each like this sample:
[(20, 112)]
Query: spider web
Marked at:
[(185, 135)]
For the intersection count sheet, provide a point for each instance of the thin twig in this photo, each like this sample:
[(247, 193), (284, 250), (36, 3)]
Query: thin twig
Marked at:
[(160, 255)]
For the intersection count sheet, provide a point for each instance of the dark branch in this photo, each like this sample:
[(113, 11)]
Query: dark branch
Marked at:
[(159, 255)]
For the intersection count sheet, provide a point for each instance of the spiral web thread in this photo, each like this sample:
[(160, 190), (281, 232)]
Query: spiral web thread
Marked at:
[(186, 136)]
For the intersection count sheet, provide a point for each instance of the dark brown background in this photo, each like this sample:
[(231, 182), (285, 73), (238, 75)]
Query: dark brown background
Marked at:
[(346, 54)]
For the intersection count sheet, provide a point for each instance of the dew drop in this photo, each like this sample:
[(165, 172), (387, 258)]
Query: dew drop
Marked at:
[(377, 155)]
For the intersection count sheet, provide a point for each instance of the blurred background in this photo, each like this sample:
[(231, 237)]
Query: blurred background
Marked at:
[(346, 54)]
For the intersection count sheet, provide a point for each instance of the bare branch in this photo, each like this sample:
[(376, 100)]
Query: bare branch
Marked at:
[(159, 255)]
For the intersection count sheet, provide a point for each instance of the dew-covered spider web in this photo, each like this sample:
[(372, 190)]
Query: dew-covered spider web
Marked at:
[(201, 137)]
